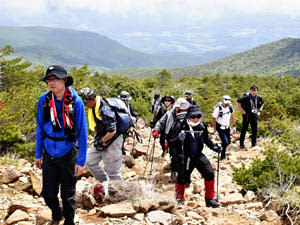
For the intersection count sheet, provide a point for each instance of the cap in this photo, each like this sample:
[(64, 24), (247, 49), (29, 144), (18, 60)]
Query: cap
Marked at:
[(182, 103), (59, 72), (253, 88), (226, 99), (188, 93), (168, 97)]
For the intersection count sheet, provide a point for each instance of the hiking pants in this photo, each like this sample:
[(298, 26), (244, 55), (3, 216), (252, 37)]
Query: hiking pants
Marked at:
[(225, 138), (162, 140), (249, 119), (60, 171), (112, 158), (201, 163)]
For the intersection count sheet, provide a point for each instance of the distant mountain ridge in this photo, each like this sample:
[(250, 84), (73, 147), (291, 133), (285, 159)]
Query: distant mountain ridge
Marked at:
[(275, 58), (70, 48)]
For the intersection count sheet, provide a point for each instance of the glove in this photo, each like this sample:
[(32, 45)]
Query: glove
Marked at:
[(166, 145), (216, 133), (181, 136), (234, 129), (217, 149), (155, 134)]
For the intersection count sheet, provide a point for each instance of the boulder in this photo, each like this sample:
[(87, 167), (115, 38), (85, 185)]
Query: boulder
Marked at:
[(36, 182), (254, 205), (249, 196), (269, 216), (9, 176), (145, 205), (43, 216), (122, 190), (128, 161), (235, 198)]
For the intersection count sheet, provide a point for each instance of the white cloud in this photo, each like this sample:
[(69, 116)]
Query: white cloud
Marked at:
[(24, 7), (244, 32)]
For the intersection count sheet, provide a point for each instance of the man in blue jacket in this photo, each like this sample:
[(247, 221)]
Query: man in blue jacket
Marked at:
[(61, 142)]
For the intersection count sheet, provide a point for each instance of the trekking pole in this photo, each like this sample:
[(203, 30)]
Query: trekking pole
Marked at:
[(162, 163), (218, 172), (148, 160), (149, 143), (152, 156), (133, 142)]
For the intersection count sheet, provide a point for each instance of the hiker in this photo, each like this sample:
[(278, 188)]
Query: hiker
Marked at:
[(155, 101), (61, 142), (163, 126), (189, 98), (125, 97), (165, 105), (250, 105), (188, 136), (107, 142), (222, 114)]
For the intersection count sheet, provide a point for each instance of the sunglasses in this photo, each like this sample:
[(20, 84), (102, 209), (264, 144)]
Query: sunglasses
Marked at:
[(53, 79), (226, 99), (196, 116), (167, 100)]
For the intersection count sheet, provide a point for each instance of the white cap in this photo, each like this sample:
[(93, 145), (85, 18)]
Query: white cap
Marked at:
[(178, 102), (226, 99)]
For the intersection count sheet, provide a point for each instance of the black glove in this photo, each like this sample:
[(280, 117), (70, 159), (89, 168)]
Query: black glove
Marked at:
[(217, 149), (181, 136)]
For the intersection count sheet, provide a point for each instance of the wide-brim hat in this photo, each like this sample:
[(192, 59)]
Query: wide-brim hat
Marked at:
[(194, 110), (59, 72)]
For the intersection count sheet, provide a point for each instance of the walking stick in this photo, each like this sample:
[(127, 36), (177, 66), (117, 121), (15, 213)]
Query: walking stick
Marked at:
[(218, 172), (133, 142), (149, 143), (162, 163), (148, 159), (152, 156)]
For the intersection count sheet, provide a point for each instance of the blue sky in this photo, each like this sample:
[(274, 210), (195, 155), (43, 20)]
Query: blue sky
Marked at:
[(162, 25)]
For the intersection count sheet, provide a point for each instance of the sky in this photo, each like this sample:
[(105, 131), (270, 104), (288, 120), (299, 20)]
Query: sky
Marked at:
[(154, 25)]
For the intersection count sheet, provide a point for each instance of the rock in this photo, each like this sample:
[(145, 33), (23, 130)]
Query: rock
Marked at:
[(43, 216), (129, 174), (36, 182), (249, 196), (26, 170), (86, 173), (16, 217), (20, 205), (139, 216), (122, 190), (197, 188), (235, 198), (195, 216), (269, 216), (87, 199), (136, 152), (118, 210), (254, 205), (168, 207), (162, 217), (145, 205), (9, 176), (25, 223), (128, 160), (22, 162)]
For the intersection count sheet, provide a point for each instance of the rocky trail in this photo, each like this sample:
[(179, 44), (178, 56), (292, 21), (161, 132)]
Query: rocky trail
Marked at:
[(148, 199)]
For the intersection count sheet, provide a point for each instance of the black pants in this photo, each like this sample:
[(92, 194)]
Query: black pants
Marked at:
[(225, 138), (201, 163), (60, 171), (162, 140), (252, 120)]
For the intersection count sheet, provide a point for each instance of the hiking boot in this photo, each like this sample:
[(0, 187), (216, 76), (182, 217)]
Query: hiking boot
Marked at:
[(55, 222), (212, 203), (173, 176), (223, 157), (242, 146)]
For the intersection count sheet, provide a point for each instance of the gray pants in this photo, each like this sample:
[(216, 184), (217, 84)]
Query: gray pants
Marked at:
[(112, 158)]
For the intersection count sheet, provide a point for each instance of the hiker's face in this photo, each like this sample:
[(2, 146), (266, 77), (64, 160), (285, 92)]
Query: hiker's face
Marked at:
[(167, 103), (55, 84), (188, 96), (91, 103), (253, 92)]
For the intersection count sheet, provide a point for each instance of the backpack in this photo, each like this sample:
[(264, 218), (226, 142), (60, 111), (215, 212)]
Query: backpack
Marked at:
[(123, 118), (221, 110)]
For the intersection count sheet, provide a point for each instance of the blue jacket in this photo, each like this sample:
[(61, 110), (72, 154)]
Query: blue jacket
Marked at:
[(58, 149)]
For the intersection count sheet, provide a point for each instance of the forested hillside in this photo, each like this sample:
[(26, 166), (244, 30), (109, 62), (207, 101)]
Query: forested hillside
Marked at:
[(45, 45), (276, 58)]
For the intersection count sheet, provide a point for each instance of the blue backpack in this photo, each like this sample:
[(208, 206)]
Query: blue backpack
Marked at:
[(123, 118)]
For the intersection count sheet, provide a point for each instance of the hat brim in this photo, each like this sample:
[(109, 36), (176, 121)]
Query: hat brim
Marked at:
[(164, 99), (60, 76), (190, 114)]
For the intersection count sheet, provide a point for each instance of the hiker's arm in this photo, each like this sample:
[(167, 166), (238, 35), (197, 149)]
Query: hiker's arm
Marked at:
[(214, 124), (232, 119), (262, 106), (241, 108), (107, 137)]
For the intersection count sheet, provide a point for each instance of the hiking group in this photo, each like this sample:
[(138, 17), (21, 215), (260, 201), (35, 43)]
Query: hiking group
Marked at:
[(61, 137)]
